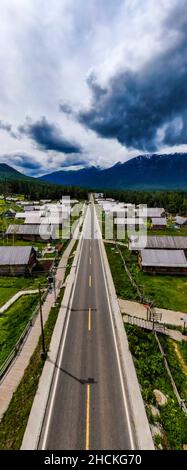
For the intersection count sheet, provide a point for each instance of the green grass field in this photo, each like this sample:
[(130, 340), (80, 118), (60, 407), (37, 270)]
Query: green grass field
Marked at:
[(14, 421), (9, 286), (6, 293), (13, 322), (168, 292), (9, 242), (169, 232)]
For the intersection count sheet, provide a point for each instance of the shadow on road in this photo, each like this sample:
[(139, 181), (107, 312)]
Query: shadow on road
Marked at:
[(89, 380)]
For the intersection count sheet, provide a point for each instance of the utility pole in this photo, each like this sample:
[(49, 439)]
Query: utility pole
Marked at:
[(44, 352)]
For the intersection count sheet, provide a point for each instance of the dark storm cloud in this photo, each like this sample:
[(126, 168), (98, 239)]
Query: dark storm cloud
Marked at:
[(4, 126), (65, 108), (69, 161), (47, 136), (22, 162), (134, 106), (29, 165)]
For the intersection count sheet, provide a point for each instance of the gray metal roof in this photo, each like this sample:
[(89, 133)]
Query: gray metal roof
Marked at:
[(164, 258), (29, 208), (162, 242), (21, 215), (129, 221), (159, 221), (155, 211), (14, 255), (33, 219), (29, 229), (54, 219), (167, 242), (180, 220), (22, 229)]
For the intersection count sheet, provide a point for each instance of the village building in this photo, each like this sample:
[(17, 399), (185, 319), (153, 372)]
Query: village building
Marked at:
[(21, 215), (31, 208), (23, 203), (158, 223), (155, 212), (29, 232), (17, 260), (45, 201), (129, 222), (53, 219), (33, 219), (163, 261), (159, 243), (180, 221)]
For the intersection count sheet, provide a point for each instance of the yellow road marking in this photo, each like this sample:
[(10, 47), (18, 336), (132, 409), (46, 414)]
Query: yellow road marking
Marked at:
[(90, 260), (90, 281), (88, 417), (89, 319)]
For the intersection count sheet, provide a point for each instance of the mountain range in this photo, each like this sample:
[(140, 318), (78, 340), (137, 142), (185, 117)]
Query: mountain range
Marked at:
[(142, 172)]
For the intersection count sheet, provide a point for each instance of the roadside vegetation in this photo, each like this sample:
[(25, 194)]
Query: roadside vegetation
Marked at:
[(9, 286), (176, 354), (13, 322), (170, 424), (70, 260), (169, 232), (14, 421), (168, 292)]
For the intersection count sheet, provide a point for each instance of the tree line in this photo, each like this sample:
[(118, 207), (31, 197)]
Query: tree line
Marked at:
[(40, 190), (174, 202)]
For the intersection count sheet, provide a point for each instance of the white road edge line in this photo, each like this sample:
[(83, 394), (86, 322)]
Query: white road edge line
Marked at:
[(44, 440), (116, 347)]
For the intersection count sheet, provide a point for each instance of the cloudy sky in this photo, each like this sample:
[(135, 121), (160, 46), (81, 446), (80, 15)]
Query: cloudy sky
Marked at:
[(91, 82)]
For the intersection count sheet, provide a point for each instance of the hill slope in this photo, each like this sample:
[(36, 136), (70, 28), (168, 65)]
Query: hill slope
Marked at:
[(142, 172), (8, 173)]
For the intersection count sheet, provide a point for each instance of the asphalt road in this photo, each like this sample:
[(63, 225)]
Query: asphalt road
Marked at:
[(87, 410)]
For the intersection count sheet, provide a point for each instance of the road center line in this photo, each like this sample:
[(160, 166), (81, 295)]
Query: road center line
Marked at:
[(89, 319), (90, 260), (90, 281), (88, 417), (60, 357)]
